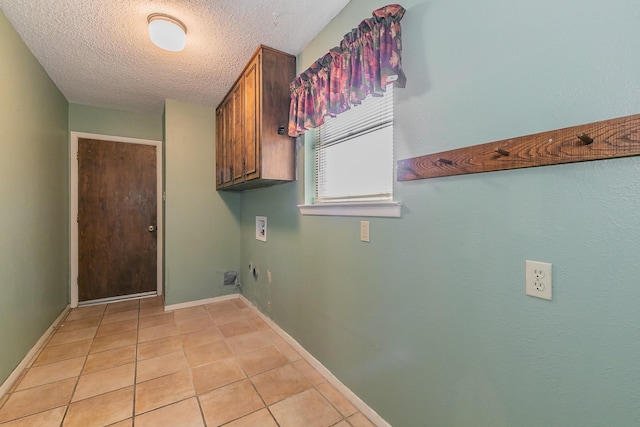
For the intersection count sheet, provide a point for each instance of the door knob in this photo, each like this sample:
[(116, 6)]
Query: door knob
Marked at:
[(151, 229)]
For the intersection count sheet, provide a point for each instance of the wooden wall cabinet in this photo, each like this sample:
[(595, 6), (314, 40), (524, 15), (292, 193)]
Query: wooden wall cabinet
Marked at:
[(252, 146)]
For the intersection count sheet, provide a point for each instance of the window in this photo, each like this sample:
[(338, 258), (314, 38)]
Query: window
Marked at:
[(354, 157), (354, 153), (354, 166)]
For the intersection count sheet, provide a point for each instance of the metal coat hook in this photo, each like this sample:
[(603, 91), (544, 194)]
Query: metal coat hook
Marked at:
[(585, 138), (502, 152), (445, 161)]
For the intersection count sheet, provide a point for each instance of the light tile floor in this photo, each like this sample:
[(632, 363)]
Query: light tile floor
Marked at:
[(130, 363)]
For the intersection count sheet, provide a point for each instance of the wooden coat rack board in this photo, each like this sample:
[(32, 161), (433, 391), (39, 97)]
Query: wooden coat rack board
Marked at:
[(594, 141)]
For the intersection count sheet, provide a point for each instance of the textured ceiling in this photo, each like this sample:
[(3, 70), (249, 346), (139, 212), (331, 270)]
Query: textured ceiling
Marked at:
[(98, 52)]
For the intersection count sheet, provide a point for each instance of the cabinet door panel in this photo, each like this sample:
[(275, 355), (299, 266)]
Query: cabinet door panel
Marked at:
[(227, 137), (219, 147), (252, 114), (238, 132)]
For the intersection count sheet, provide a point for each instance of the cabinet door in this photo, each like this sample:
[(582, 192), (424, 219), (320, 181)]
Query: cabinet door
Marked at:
[(226, 141), (237, 132), (251, 118), (220, 146)]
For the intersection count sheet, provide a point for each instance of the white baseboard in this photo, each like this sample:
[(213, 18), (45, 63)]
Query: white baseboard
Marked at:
[(6, 385), (200, 302), (326, 373)]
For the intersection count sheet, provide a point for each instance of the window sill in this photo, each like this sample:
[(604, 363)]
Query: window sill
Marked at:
[(380, 209)]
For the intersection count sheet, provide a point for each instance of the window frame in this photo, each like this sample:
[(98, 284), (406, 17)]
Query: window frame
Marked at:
[(373, 208)]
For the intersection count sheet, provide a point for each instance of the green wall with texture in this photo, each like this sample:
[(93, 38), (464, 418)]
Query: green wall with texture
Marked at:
[(201, 225), (105, 121), (34, 191), (428, 323)]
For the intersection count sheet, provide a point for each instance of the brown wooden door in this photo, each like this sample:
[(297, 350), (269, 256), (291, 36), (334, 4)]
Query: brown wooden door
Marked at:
[(117, 205)]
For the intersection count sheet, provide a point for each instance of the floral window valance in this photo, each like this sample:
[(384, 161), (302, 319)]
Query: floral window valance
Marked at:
[(368, 58)]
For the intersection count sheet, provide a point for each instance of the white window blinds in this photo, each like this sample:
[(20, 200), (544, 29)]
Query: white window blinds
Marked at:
[(354, 153)]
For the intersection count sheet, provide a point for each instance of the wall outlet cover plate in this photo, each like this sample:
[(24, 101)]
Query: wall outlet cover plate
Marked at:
[(538, 279), (261, 228)]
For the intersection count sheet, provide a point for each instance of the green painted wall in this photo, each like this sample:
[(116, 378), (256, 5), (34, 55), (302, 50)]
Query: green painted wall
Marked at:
[(34, 241), (104, 121), (201, 225), (429, 323)]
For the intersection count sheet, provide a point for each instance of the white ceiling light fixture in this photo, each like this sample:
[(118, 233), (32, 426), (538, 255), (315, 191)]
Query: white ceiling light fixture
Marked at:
[(167, 32)]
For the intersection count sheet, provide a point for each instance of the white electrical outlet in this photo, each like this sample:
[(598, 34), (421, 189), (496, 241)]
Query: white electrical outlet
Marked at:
[(538, 279), (364, 231)]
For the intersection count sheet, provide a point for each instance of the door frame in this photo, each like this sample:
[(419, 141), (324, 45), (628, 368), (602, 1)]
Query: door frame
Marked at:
[(73, 218)]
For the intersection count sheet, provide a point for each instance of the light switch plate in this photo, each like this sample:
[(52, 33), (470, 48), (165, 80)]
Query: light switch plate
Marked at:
[(364, 231)]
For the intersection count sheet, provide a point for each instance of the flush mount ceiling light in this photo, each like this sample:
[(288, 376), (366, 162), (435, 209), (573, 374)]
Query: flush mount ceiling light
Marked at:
[(167, 32)]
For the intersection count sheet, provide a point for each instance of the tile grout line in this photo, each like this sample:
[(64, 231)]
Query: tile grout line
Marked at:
[(75, 387), (259, 395), (196, 395), (135, 369), (247, 377), (204, 419), (102, 316)]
